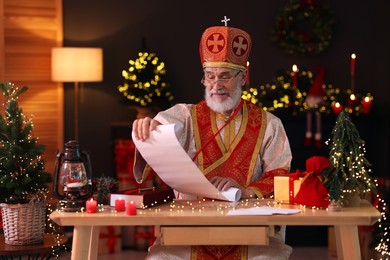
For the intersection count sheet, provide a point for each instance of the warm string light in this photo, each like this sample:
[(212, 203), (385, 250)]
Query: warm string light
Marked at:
[(141, 91), (281, 95)]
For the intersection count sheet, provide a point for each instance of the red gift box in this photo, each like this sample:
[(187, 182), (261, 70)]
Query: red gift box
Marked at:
[(110, 240), (311, 192)]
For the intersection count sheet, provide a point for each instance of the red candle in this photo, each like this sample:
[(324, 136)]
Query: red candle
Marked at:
[(295, 75), (366, 105), (353, 60), (131, 208), (91, 206), (337, 108), (247, 81), (120, 205), (352, 102)]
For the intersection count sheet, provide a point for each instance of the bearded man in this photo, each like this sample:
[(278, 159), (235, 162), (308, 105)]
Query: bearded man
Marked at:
[(233, 142)]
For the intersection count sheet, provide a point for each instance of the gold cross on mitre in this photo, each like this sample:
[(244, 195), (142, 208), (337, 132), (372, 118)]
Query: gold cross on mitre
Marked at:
[(225, 20)]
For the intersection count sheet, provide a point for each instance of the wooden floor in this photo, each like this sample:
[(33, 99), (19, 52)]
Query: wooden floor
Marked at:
[(299, 253)]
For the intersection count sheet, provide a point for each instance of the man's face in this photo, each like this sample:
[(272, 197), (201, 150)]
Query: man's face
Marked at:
[(223, 88)]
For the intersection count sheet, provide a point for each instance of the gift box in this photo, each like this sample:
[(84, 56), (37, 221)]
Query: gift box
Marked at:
[(110, 240), (286, 188), (144, 237), (138, 237), (304, 188)]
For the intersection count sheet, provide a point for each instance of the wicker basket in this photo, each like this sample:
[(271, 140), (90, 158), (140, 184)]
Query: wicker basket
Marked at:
[(24, 224)]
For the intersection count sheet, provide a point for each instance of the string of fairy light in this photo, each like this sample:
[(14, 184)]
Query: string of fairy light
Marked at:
[(144, 81), (282, 95), (22, 154)]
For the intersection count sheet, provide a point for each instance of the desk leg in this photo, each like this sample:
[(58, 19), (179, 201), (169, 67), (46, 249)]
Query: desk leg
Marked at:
[(85, 242), (94, 243), (347, 241), (81, 242)]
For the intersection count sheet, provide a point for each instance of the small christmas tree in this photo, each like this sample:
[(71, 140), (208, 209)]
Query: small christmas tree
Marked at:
[(350, 170), (22, 170)]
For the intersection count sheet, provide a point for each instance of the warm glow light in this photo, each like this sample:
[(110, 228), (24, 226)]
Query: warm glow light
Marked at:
[(353, 56), (71, 64), (295, 68), (352, 97)]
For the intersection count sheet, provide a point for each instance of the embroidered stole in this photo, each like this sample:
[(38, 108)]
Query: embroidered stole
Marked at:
[(238, 159)]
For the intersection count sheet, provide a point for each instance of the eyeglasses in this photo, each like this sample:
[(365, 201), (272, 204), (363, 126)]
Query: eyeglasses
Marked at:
[(211, 79)]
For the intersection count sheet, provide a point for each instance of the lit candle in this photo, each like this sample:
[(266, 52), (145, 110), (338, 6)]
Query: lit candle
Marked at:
[(131, 208), (353, 60), (91, 206), (247, 81), (352, 72), (366, 105), (295, 75), (337, 108), (352, 103), (120, 205)]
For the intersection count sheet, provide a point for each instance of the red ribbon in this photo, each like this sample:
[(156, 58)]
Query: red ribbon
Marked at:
[(148, 235), (293, 177), (111, 238)]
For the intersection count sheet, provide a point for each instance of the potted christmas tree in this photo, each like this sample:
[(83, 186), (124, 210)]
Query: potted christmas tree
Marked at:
[(349, 173), (23, 179)]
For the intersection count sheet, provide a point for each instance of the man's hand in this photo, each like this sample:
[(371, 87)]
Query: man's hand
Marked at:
[(143, 126), (223, 184)]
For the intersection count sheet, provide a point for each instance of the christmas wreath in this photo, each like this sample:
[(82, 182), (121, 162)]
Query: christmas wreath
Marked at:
[(304, 27)]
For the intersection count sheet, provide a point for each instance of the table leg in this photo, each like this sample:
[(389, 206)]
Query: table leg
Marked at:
[(347, 241), (81, 242), (94, 243)]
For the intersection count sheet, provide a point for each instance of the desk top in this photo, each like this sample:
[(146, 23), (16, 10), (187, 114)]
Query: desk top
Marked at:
[(206, 212)]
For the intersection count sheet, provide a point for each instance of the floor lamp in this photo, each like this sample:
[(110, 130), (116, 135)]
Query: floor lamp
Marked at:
[(71, 64)]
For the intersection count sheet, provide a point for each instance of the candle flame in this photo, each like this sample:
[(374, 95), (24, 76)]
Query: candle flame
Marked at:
[(295, 68), (366, 99), (353, 56), (352, 97), (337, 104)]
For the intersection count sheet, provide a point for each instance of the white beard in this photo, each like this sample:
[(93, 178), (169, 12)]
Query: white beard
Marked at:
[(224, 107)]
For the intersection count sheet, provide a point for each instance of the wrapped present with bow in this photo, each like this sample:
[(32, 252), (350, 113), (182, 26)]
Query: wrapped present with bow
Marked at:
[(110, 240), (304, 188)]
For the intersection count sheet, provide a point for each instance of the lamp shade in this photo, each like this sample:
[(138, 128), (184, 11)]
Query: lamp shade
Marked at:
[(70, 64)]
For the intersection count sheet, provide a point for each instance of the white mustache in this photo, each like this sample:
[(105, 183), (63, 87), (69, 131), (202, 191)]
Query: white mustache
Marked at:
[(220, 91)]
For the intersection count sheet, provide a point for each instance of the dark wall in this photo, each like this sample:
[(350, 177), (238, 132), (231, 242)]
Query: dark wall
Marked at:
[(173, 28)]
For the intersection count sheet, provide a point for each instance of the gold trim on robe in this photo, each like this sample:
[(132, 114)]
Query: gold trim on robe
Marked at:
[(239, 159)]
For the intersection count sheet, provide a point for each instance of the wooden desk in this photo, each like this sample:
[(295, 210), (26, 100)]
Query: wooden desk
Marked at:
[(208, 213)]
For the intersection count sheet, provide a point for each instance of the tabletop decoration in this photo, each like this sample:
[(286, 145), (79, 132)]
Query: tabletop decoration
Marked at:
[(131, 208), (120, 205), (103, 187), (91, 206), (350, 171)]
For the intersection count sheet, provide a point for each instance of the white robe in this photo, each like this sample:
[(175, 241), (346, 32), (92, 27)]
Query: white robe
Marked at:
[(275, 153)]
